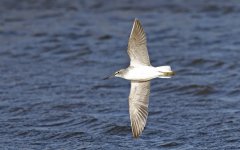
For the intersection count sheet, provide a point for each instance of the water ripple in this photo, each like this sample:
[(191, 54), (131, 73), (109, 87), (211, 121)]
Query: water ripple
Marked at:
[(54, 55)]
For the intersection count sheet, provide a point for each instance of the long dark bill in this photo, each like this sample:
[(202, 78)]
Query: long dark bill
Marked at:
[(111, 76)]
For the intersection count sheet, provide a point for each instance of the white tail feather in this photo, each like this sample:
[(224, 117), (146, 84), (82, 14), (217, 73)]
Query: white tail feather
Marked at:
[(164, 69)]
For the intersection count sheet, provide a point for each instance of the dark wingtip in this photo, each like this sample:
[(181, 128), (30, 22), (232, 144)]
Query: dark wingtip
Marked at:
[(136, 20), (135, 134)]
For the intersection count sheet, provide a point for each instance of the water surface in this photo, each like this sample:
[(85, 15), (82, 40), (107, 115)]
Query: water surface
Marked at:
[(54, 54)]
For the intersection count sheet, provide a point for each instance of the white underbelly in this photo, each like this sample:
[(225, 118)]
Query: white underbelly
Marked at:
[(144, 73)]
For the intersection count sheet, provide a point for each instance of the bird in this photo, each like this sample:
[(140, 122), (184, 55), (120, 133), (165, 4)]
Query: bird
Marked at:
[(140, 72)]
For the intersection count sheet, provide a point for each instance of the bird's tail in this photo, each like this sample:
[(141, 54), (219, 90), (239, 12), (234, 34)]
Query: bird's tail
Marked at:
[(165, 71)]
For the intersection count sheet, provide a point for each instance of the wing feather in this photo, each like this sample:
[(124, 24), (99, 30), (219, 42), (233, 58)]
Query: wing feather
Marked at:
[(137, 46), (138, 106)]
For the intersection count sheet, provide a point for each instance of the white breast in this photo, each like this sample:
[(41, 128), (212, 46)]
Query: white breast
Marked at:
[(141, 73)]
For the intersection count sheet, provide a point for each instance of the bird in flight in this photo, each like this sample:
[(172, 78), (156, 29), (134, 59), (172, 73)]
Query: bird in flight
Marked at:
[(140, 72)]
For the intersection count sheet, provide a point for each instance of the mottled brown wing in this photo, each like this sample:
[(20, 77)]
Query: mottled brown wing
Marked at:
[(138, 106), (137, 46)]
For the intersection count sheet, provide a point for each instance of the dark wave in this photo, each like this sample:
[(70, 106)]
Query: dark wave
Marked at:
[(54, 55)]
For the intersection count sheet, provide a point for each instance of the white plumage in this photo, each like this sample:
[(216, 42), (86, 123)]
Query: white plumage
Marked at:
[(140, 72)]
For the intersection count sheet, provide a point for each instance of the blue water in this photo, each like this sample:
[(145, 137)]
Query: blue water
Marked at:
[(54, 54)]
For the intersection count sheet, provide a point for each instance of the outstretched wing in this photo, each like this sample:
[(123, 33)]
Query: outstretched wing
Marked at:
[(137, 46), (138, 106)]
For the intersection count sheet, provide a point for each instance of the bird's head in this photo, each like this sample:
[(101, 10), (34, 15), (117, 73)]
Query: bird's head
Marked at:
[(119, 73)]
